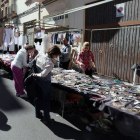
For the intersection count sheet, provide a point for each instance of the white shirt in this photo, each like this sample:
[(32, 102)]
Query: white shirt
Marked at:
[(7, 38), (45, 63), (20, 60), (20, 40), (12, 43)]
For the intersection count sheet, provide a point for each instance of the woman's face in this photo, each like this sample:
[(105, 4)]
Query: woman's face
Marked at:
[(54, 56), (29, 51), (86, 48)]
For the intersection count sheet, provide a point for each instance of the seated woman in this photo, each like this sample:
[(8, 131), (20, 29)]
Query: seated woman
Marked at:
[(44, 65), (86, 60)]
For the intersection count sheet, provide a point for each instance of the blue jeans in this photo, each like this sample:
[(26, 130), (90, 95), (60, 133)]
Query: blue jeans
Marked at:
[(43, 98)]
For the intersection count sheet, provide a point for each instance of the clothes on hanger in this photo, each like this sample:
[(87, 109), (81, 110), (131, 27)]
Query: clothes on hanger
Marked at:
[(2, 37), (7, 38), (12, 42), (16, 33), (74, 38)]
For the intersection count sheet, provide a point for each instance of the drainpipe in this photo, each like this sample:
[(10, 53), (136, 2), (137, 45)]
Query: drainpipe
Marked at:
[(39, 13)]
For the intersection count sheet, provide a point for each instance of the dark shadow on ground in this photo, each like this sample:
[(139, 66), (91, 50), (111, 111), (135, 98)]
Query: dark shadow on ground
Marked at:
[(7, 100), (67, 132), (3, 122), (6, 74)]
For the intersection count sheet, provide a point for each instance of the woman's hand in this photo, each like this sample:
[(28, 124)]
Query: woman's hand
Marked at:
[(35, 75), (82, 66), (94, 68)]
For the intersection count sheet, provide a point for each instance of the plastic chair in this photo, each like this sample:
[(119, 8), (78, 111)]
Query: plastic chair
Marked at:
[(136, 69)]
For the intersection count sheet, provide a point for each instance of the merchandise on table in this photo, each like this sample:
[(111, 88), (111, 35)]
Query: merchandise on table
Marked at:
[(7, 59), (121, 96)]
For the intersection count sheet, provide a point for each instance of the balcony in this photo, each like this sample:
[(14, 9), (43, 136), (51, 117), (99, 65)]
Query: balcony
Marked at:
[(6, 1), (46, 2), (38, 1), (4, 19), (29, 2), (12, 11)]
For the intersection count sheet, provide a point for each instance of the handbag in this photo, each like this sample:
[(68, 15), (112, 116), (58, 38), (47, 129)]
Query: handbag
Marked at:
[(32, 66)]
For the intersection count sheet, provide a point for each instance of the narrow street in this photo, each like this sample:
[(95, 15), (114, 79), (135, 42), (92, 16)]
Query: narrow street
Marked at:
[(18, 122)]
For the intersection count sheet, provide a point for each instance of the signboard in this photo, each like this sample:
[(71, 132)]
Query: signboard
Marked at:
[(120, 10)]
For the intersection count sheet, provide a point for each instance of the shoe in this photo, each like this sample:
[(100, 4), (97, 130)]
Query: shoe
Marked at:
[(50, 121), (18, 95), (24, 96), (39, 116)]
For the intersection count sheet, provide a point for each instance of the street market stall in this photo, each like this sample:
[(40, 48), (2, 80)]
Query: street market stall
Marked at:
[(120, 101), (6, 59)]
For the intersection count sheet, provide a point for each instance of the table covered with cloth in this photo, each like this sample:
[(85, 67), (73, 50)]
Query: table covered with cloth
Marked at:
[(6, 59), (114, 98)]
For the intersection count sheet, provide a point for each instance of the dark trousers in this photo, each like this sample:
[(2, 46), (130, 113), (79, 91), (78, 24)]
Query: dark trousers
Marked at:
[(87, 72), (64, 65), (43, 98)]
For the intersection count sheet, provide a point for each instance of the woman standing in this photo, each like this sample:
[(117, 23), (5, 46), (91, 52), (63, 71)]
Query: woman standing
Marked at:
[(17, 65), (86, 60), (44, 65)]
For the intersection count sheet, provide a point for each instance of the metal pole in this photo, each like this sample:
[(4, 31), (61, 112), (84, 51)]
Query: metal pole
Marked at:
[(91, 38), (34, 33), (134, 77), (39, 13)]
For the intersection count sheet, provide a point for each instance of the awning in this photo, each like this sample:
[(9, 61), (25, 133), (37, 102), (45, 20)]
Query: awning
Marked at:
[(56, 29)]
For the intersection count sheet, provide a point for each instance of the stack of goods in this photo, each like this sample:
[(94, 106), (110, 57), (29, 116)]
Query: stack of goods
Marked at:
[(120, 95), (126, 98), (7, 59)]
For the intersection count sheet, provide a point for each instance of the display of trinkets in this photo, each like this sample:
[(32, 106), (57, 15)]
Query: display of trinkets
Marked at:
[(123, 96)]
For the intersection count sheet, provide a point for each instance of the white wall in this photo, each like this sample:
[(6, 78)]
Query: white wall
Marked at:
[(76, 19), (22, 7)]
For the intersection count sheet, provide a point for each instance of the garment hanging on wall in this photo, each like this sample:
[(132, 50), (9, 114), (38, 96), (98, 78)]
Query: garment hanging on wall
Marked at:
[(74, 38), (38, 40), (24, 41), (2, 37), (7, 38), (45, 44), (16, 33), (60, 37), (12, 43), (42, 33), (21, 40)]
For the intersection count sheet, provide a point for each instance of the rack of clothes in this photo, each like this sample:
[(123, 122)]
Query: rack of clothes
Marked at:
[(74, 37), (11, 39)]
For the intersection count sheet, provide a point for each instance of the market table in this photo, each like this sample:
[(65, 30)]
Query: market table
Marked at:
[(6, 59), (114, 98)]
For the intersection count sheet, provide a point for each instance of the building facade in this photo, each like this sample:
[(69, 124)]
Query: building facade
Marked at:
[(24, 11)]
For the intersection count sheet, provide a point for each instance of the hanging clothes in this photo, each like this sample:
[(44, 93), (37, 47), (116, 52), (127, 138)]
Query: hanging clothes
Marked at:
[(60, 37), (16, 33), (45, 44), (24, 41), (71, 39), (2, 37), (16, 40), (75, 40), (42, 33), (67, 36), (12, 43), (7, 38), (21, 41)]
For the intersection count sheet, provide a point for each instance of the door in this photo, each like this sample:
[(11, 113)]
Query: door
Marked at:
[(116, 51)]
